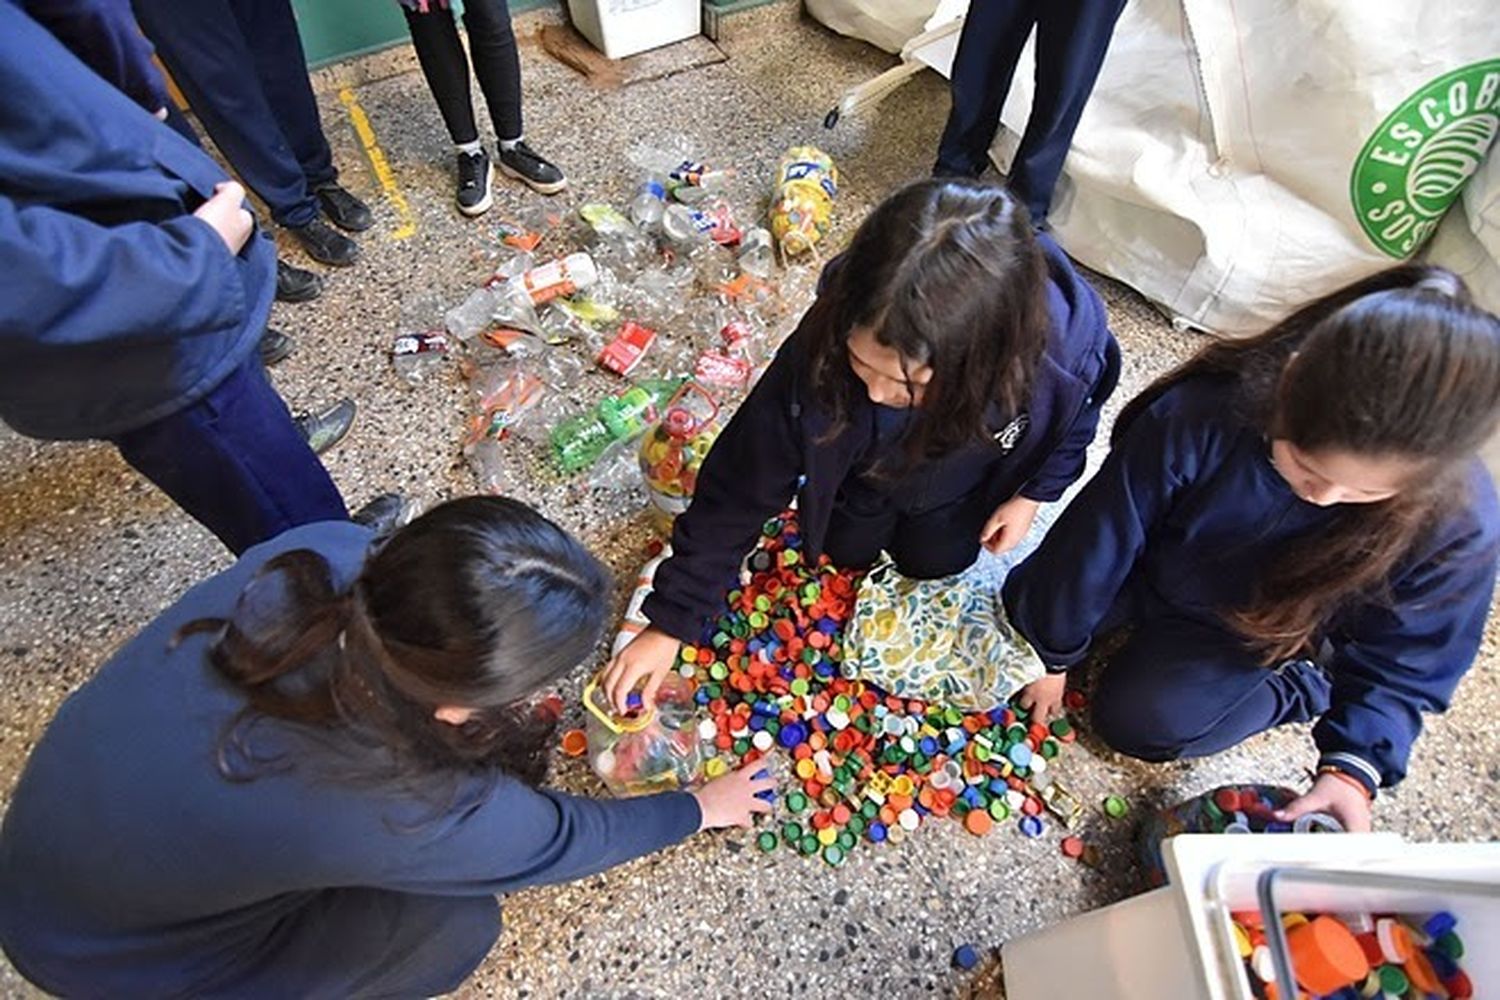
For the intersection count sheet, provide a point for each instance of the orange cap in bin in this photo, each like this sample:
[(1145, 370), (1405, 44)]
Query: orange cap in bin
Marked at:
[(1325, 955)]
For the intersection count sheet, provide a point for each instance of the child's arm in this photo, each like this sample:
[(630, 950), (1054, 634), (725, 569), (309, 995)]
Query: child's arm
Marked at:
[(103, 33), (1393, 661), (1066, 463), (1060, 594), (750, 475), (77, 282), (520, 836)]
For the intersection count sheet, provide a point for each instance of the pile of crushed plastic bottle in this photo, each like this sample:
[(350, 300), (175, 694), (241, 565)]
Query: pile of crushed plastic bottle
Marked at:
[(597, 325)]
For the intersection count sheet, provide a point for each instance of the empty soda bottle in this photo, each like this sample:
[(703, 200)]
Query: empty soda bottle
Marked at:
[(650, 202), (414, 355)]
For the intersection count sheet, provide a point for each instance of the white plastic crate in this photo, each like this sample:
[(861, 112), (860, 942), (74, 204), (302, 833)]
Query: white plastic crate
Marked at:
[(1174, 941), (621, 28)]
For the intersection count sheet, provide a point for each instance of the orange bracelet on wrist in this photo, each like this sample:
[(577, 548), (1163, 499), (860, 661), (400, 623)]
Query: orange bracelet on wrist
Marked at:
[(1348, 779)]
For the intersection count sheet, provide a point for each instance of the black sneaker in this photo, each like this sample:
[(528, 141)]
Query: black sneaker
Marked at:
[(523, 163), (326, 428), (386, 513), (343, 209), (474, 178), (325, 244), (275, 347), (293, 284)]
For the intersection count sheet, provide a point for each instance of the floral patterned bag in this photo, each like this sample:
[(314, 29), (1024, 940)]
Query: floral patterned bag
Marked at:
[(946, 641)]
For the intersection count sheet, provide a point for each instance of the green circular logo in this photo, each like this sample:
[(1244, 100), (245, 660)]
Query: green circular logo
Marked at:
[(1417, 161)]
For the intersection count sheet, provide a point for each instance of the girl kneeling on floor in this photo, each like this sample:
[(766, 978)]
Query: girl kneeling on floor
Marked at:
[(311, 776), (946, 382), (1294, 527)]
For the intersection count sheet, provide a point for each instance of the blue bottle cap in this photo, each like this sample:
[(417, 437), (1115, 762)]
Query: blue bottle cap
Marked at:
[(965, 957)]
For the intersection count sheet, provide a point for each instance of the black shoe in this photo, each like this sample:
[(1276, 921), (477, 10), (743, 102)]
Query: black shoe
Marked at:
[(275, 347), (326, 428), (523, 163), (343, 209), (386, 513), (293, 284), (325, 244), (474, 177)]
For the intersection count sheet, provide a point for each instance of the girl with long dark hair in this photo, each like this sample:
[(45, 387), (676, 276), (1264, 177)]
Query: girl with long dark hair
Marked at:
[(312, 775), (946, 382), (1295, 527)]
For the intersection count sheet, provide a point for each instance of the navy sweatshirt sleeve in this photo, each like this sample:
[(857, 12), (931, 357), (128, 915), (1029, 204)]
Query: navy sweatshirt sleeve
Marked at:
[(1092, 357), (104, 34), (518, 836), (749, 476), (1058, 596), (1395, 660)]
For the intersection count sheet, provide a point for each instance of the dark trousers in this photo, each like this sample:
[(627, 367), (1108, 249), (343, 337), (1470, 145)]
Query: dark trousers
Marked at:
[(371, 943), (1072, 37), (236, 462), (1179, 688), (241, 66), (492, 45), (925, 545)]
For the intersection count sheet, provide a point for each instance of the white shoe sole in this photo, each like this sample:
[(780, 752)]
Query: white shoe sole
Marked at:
[(488, 199), (552, 188)]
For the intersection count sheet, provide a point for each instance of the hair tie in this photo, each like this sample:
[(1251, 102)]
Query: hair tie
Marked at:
[(1441, 282)]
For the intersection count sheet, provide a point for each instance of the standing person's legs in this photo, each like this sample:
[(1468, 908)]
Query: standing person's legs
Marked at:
[(236, 462), (497, 64), (270, 28), (994, 33), (1185, 689), (1072, 37), (207, 54), (441, 55)]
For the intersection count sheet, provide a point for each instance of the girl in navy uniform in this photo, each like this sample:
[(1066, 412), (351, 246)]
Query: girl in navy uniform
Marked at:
[(946, 382), (312, 775), (1294, 527)]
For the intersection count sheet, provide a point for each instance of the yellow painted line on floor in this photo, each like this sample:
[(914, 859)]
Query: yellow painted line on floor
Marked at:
[(380, 165)]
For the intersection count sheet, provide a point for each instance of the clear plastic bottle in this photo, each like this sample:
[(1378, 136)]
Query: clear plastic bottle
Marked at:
[(685, 225), (673, 450), (473, 315), (655, 748), (757, 256), (415, 355), (693, 183), (650, 202)]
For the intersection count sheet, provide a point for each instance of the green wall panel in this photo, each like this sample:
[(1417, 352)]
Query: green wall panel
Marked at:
[(337, 29)]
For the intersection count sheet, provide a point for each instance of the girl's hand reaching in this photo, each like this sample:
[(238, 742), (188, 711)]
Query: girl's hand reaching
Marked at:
[(1043, 697), (1008, 524), (1336, 796), (733, 800), (649, 655)]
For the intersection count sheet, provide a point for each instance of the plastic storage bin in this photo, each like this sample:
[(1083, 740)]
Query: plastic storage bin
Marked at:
[(1174, 942), (621, 28)]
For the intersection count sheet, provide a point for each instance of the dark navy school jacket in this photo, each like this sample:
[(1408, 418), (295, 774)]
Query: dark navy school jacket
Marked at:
[(778, 436), (130, 867), (117, 307), (1183, 518), (103, 33)]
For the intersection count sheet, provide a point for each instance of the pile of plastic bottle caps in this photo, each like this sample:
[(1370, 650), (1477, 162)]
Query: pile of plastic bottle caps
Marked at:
[(597, 323)]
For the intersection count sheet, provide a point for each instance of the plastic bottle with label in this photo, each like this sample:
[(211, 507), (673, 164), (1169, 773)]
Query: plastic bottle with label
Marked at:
[(673, 450), (650, 202)]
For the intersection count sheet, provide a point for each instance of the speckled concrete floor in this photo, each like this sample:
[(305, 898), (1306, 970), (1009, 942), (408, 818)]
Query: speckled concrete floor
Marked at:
[(89, 551)]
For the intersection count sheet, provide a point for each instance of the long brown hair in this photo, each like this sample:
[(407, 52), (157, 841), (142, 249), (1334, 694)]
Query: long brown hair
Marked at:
[(947, 273), (1402, 365), (478, 603)]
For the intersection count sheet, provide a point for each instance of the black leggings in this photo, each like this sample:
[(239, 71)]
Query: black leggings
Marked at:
[(496, 63)]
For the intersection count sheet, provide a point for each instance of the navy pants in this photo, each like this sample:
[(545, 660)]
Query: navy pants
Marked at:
[(235, 461), (492, 45), (241, 66), (1179, 688), (1072, 37), (371, 943)]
